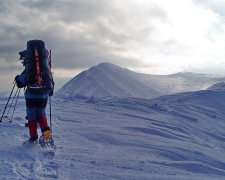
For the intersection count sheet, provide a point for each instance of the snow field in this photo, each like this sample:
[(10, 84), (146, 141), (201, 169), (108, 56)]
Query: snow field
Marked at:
[(180, 136)]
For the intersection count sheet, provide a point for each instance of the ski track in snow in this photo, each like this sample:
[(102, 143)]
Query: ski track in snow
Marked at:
[(179, 137)]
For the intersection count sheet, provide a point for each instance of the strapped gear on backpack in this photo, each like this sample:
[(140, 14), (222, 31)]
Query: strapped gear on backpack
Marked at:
[(39, 79)]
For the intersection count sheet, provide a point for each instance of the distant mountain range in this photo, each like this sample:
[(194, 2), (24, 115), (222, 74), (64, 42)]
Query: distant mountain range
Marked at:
[(109, 80)]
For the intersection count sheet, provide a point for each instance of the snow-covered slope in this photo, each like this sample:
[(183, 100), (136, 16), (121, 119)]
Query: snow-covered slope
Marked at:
[(181, 82), (218, 86), (174, 137), (108, 80)]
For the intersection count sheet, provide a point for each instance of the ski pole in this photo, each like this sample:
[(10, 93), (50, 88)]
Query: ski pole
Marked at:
[(8, 101), (15, 105), (6, 116), (50, 103), (50, 59), (50, 109)]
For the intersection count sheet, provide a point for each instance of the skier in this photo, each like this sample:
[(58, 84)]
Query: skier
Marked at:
[(36, 98)]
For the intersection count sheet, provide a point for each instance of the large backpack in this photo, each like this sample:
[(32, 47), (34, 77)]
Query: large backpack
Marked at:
[(38, 75)]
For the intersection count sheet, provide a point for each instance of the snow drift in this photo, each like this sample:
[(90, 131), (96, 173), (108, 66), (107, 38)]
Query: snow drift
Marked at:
[(108, 80)]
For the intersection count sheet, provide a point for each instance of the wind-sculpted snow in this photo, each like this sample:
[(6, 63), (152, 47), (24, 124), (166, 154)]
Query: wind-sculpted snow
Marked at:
[(107, 80), (174, 137)]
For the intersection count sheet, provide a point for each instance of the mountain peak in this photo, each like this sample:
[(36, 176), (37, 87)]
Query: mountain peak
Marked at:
[(106, 65), (107, 80)]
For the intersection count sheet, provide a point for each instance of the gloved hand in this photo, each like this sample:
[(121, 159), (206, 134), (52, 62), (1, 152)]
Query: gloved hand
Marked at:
[(50, 93), (18, 83), (16, 78)]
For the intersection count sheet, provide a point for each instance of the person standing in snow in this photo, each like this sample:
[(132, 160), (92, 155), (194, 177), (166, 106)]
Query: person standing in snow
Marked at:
[(35, 102)]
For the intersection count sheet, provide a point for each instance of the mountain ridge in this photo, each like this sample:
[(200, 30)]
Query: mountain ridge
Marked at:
[(109, 80)]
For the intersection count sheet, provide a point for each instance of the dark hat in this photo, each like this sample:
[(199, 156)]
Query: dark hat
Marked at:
[(22, 54)]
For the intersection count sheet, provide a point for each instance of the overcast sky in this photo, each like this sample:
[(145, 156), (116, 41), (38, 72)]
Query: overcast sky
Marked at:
[(149, 36)]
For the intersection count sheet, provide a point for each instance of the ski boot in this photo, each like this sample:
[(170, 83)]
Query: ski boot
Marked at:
[(46, 140), (47, 135)]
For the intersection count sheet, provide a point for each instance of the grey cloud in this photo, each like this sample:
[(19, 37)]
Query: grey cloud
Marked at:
[(81, 54), (106, 28), (72, 10)]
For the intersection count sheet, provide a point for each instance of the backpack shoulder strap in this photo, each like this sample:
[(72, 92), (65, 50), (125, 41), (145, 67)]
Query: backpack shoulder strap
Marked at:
[(38, 67)]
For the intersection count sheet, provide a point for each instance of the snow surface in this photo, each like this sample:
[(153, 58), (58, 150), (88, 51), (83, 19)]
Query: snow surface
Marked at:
[(108, 80), (174, 137)]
